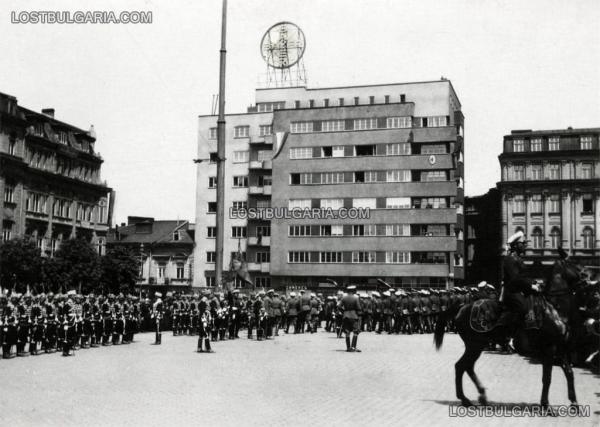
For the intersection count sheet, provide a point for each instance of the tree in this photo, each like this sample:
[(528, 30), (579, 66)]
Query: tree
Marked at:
[(76, 265), (120, 269), (20, 264)]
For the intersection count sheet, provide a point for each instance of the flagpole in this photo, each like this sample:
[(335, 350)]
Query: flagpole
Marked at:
[(220, 220)]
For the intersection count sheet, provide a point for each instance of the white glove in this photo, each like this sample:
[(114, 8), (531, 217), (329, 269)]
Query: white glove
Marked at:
[(535, 287)]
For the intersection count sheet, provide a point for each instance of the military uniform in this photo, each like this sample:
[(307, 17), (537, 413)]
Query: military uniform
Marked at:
[(351, 308)]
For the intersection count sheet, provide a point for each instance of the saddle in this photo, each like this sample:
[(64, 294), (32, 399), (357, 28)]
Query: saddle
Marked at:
[(485, 314)]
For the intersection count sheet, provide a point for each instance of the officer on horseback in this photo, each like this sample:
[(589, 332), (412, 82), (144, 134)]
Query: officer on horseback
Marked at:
[(516, 285)]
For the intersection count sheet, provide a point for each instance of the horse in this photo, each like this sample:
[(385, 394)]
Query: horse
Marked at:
[(565, 278)]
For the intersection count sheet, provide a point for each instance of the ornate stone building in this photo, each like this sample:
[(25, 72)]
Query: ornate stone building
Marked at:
[(550, 190), (50, 180)]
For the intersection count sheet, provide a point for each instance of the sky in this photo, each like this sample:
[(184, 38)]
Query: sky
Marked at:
[(531, 64)]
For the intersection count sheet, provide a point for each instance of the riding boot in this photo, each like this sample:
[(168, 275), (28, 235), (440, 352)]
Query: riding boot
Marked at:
[(157, 338), (354, 340), (207, 345), (348, 347), (199, 348)]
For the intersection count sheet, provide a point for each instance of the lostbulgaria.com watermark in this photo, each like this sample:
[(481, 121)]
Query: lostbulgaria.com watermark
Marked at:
[(80, 17), (307, 213), (519, 411)]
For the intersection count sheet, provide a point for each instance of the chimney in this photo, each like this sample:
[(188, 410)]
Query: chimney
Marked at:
[(92, 131), (48, 112)]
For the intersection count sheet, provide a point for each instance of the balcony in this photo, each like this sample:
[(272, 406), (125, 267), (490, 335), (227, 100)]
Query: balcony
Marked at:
[(256, 139), (264, 241), (255, 164), (263, 267), (256, 190)]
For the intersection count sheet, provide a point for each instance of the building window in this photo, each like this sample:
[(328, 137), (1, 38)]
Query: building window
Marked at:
[(298, 257), (519, 171), (369, 176), (588, 238), (397, 230), (240, 181), (436, 121), (397, 202), (397, 257), (332, 125), (212, 207), (265, 130), (365, 203), (537, 238), (211, 281), (299, 204), (241, 131), (36, 203), (326, 102), (398, 149), (301, 127), (330, 257), (176, 235), (332, 177), (211, 257), (554, 171), (311, 103), (212, 133), (536, 204), (519, 204), (296, 104), (586, 171), (585, 143), (9, 193), (238, 206), (333, 204), (363, 257), (371, 100), (428, 149), (6, 231), (212, 182), (554, 143), (518, 146), (264, 155), (356, 100), (433, 203), (301, 153), (536, 144), (554, 204), (536, 172), (161, 271), (180, 272), (241, 156), (12, 144), (263, 257), (299, 230), (211, 232), (238, 232), (428, 176), (365, 124), (398, 176), (588, 204), (555, 237)]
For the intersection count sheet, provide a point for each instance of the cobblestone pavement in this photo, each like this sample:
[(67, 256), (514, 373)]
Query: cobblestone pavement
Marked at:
[(296, 380)]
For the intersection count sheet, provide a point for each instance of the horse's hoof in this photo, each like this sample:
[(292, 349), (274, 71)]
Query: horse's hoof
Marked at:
[(466, 403), (483, 400), (576, 406)]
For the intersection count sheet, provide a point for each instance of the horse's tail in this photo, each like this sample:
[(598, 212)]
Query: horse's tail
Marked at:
[(440, 326)]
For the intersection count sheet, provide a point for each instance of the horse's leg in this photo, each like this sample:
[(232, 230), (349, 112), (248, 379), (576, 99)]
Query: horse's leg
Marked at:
[(474, 354), (460, 367), (547, 362), (568, 370)]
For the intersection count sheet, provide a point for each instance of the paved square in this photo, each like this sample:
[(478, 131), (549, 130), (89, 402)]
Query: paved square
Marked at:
[(297, 380)]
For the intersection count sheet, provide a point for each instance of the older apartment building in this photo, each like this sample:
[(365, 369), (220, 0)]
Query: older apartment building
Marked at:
[(394, 151), (50, 179), (551, 191)]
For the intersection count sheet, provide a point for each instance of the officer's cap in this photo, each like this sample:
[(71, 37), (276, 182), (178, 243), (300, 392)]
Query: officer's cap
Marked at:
[(387, 294), (292, 294), (71, 293), (473, 289), (398, 293), (157, 294), (351, 288), (270, 291), (482, 284), (375, 294), (235, 291), (519, 236)]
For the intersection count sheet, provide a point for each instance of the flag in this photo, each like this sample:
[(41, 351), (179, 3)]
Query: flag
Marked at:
[(239, 267)]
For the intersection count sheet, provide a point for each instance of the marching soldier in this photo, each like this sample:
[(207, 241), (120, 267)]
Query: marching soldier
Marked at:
[(24, 328), (292, 307), (277, 306), (315, 308), (157, 315), (204, 325), (304, 314), (350, 306)]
